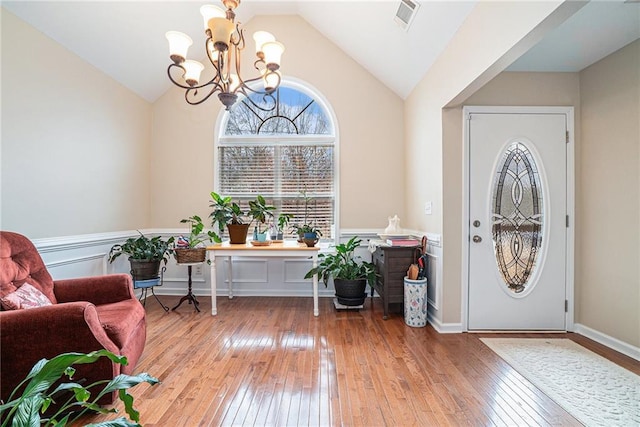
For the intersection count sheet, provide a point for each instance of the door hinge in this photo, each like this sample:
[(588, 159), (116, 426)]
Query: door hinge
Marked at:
[(567, 137), (567, 221), (566, 306)]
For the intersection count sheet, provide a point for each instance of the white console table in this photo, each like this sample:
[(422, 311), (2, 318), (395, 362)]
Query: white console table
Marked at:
[(287, 249)]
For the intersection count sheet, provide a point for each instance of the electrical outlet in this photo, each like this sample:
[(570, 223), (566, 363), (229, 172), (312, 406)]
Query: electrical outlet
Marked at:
[(427, 208), (197, 270)]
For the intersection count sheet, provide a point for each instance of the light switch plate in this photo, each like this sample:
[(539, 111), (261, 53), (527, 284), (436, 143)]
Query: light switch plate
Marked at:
[(427, 208)]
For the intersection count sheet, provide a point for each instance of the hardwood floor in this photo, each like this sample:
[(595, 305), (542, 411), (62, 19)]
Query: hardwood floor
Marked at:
[(269, 361)]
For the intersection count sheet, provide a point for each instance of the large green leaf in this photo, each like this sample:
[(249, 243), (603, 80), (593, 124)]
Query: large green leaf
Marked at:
[(118, 422), (53, 369), (28, 412), (122, 381)]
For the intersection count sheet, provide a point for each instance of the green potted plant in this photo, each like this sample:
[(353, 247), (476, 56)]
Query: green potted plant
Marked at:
[(306, 228), (283, 222), (308, 234), (145, 255), (36, 405), (349, 272), (228, 213), (191, 249), (261, 213)]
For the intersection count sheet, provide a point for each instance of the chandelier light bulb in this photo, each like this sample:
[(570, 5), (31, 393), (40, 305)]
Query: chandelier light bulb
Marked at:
[(192, 70), (262, 37), (208, 12), (272, 54), (179, 44), (221, 30)]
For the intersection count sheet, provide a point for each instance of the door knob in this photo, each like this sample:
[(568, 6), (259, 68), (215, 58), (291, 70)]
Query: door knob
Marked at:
[(477, 239), (476, 223)]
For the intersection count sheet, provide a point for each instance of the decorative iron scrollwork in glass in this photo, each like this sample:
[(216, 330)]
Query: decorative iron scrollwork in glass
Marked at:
[(517, 216)]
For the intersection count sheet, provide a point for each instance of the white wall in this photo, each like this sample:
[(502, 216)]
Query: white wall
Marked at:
[(370, 134), (75, 144)]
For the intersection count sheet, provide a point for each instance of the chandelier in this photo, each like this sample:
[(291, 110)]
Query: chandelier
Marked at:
[(223, 46)]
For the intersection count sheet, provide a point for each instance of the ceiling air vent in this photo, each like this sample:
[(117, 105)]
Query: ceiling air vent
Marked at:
[(406, 12)]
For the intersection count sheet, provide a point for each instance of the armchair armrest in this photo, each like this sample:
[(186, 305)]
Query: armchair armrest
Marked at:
[(30, 335), (97, 290)]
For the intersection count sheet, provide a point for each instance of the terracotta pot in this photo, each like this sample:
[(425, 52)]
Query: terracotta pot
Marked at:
[(238, 233)]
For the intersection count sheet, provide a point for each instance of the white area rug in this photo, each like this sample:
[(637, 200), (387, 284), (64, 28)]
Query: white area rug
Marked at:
[(592, 389)]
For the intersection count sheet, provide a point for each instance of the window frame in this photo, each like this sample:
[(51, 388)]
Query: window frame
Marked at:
[(220, 139)]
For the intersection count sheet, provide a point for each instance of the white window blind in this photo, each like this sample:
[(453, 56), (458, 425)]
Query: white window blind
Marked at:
[(252, 159)]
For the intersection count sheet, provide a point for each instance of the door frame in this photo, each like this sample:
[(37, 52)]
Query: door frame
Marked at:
[(466, 221)]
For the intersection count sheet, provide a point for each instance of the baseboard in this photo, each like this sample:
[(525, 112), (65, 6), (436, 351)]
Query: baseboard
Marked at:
[(445, 328), (611, 342)]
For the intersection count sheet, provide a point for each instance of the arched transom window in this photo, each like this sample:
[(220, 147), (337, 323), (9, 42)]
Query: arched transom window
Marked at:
[(283, 148)]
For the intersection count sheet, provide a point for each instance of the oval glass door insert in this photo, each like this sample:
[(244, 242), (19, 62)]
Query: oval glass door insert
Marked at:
[(517, 217)]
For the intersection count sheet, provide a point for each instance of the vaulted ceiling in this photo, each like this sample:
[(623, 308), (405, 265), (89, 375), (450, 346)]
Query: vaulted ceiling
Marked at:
[(101, 33)]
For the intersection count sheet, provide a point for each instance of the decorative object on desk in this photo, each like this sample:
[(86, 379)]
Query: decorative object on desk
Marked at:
[(261, 242), (349, 272), (394, 226), (191, 249), (310, 239), (307, 231), (38, 394), (145, 255), (226, 212), (306, 226), (283, 222), (261, 237), (261, 213), (224, 44), (273, 233)]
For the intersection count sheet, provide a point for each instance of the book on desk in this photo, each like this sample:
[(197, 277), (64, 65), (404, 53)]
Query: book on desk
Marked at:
[(403, 242)]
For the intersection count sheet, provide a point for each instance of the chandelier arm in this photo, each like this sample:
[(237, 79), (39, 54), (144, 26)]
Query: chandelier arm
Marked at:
[(257, 62), (211, 60), (213, 82), (195, 93)]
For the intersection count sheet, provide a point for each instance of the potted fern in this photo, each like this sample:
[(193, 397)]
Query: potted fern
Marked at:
[(349, 272)]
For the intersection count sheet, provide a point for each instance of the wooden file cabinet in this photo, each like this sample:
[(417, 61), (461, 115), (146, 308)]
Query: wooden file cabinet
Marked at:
[(391, 264)]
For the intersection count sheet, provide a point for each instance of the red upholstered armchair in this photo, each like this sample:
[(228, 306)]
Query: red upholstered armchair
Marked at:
[(85, 315)]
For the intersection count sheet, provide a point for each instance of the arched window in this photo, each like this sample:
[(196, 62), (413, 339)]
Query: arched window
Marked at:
[(282, 147)]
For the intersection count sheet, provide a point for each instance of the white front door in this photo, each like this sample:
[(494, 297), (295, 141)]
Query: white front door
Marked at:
[(517, 221)]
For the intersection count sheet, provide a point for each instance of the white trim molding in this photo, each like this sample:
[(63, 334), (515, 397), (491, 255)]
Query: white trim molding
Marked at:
[(609, 341)]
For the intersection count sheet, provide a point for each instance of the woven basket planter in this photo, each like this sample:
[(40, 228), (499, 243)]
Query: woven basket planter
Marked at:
[(192, 255)]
